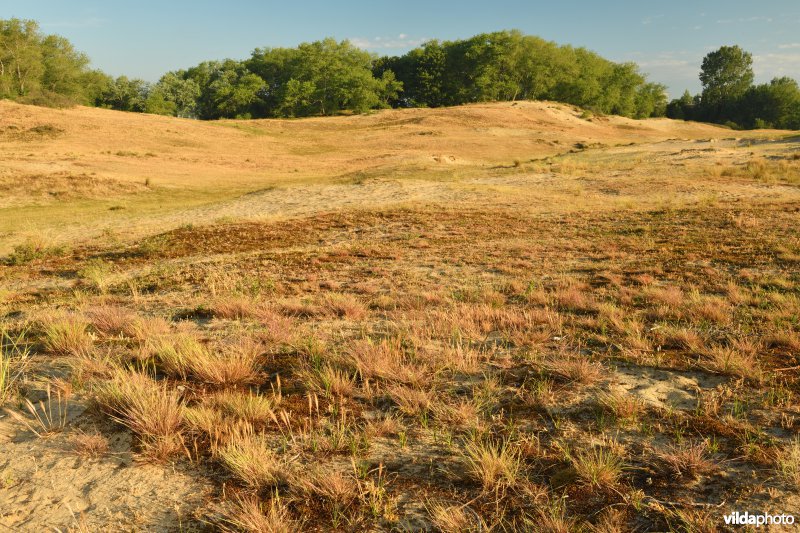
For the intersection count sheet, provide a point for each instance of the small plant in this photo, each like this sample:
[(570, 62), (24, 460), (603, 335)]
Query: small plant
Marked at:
[(455, 518), (67, 335), (149, 409), (789, 465), (251, 460), (249, 514), (410, 401), (624, 407), (14, 356), (493, 464), (687, 461), (599, 467), (576, 369), (30, 250), (97, 273), (49, 417), (91, 445)]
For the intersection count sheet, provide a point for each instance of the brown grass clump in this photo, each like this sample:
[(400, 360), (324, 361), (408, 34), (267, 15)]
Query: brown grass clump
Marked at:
[(345, 306), (254, 409), (710, 309), (732, 361), (687, 461), (784, 339), (623, 406), (410, 401), (249, 514), (336, 490), (148, 329), (331, 381), (91, 445), (233, 363), (234, 308), (149, 409), (574, 299), (455, 518), (112, 320), (598, 467), (386, 361), (493, 464), (672, 297), (252, 461), (789, 465), (576, 369), (67, 335)]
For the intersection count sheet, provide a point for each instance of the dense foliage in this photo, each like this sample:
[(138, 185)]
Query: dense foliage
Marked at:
[(729, 96), (40, 68), (511, 66), (330, 77)]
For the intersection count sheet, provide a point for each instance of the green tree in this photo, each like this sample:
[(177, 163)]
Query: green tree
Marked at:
[(125, 94), (64, 68), (175, 95), (21, 65), (726, 75)]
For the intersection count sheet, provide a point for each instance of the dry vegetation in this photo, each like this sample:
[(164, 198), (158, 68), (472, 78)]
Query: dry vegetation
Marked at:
[(538, 337)]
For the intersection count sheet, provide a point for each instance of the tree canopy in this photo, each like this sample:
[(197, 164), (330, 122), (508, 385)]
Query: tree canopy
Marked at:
[(329, 77), (730, 97)]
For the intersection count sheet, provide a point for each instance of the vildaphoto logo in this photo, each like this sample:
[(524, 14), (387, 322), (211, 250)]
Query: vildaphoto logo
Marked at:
[(758, 519)]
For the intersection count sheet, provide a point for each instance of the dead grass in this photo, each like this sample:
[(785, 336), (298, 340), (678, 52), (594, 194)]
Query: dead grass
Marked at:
[(92, 445), (249, 514), (67, 335), (598, 467), (576, 369), (150, 410), (687, 461), (449, 518), (493, 464), (253, 462)]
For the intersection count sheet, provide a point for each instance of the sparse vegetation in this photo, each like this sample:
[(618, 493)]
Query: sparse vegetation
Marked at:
[(508, 356)]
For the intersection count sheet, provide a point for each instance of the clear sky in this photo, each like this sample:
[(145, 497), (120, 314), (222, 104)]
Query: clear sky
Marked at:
[(668, 39)]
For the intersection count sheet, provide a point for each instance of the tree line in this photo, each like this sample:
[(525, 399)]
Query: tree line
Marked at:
[(730, 97), (330, 77)]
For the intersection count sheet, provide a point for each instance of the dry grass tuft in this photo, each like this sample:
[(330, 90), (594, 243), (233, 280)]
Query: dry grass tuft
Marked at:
[(687, 461), (330, 380), (336, 490), (248, 514), (113, 320), (49, 417), (576, 369), (252, 461), (623, 406), (735, 362), (345, 306), (598, 467), (410, 401), (254, 409), (67, 335), (493, 464), (386, 361), (91, 445), (454, 518), (234, 308), (789, 465), (230, 364), (149, 409)]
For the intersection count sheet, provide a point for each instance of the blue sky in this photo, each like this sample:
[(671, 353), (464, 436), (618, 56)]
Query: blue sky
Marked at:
[(667, 39)]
